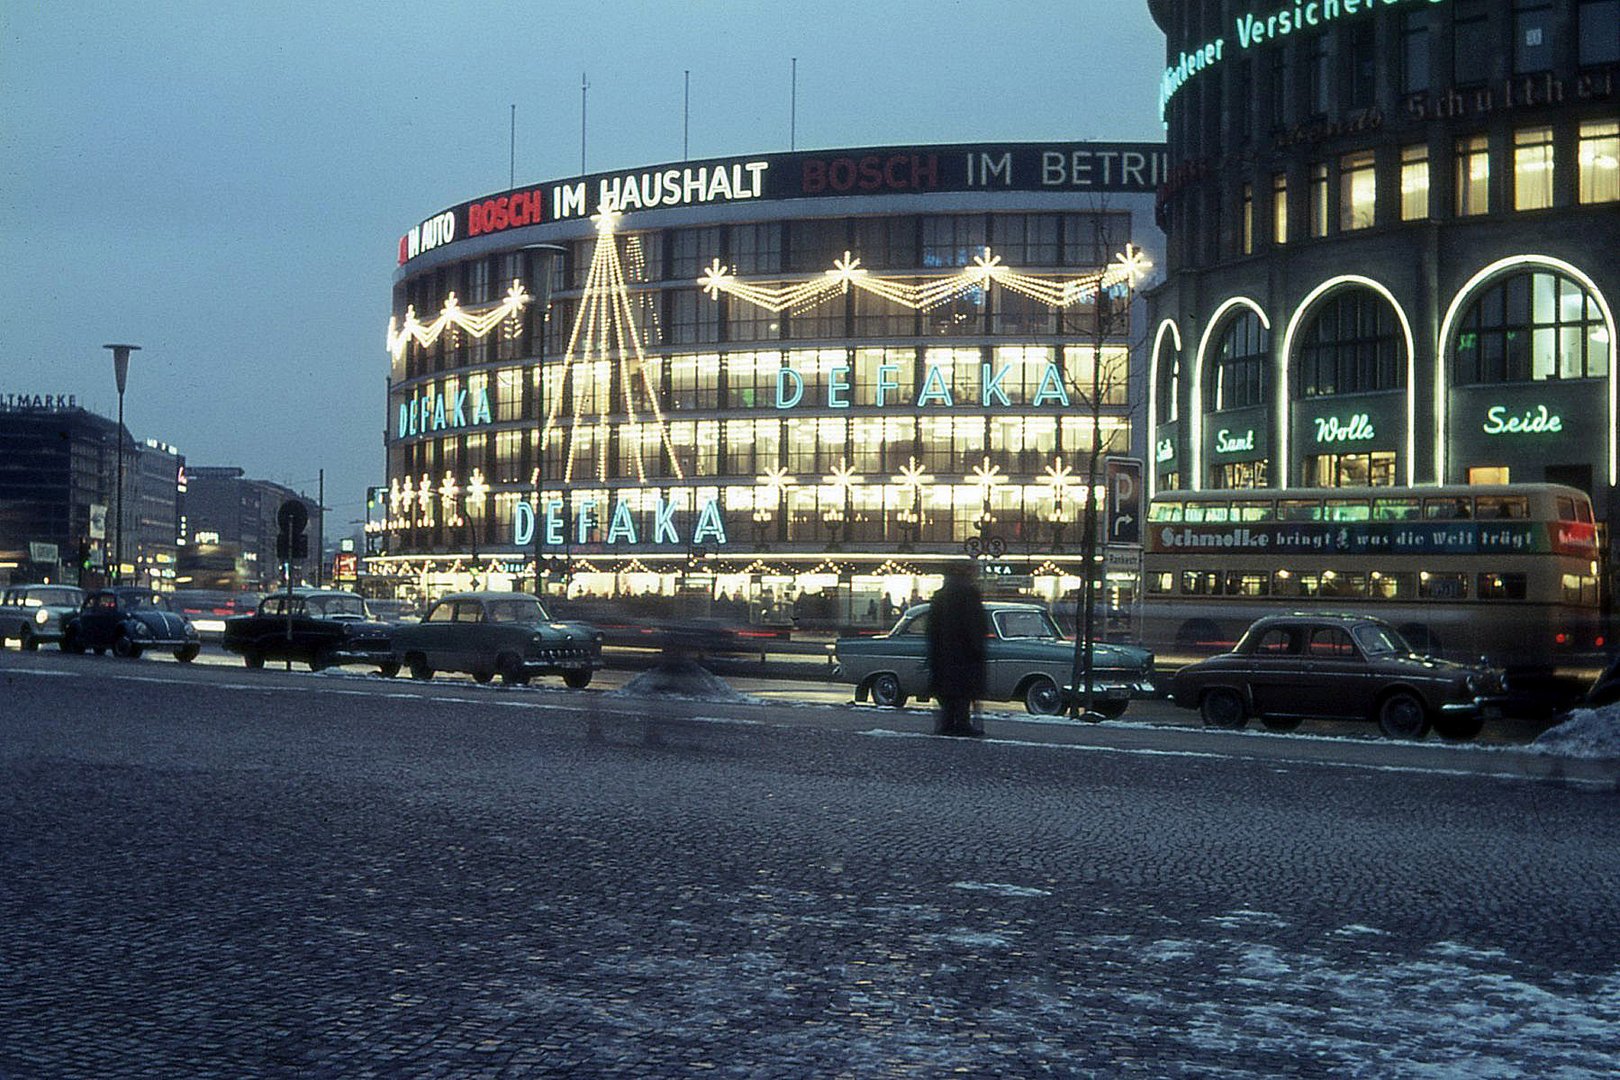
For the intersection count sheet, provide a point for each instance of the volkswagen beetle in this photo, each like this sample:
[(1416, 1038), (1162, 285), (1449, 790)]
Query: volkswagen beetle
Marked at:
[(129, 621)]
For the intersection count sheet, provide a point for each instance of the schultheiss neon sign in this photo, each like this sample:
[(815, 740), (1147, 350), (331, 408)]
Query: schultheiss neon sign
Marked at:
[(1253, 30)]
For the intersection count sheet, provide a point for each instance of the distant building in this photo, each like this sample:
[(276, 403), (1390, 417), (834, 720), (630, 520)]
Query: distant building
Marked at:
[(154, 494), (227, 512), (58, 475)]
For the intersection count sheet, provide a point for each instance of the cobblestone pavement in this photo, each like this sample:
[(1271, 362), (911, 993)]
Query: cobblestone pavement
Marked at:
[(353, 878)]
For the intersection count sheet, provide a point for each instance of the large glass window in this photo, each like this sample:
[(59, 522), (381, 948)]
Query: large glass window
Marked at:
[(1360, 65), (756, 248), (691, 251), (1319, 199), (1532, 168), (1414, 182), (1279, 208), (1532, 36), (1349, 345), (1599, 160), (952, 241), (1026, 240), (1599, 32), (1531, 326), (1167, 395), (1242, 362), (1473, 176), (886, 243), (693, 317), (1471, 51), (1247, 219), (1316, 70), (1358, 189), (1415, 52)]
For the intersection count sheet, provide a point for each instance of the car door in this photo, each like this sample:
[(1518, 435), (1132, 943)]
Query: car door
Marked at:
[(1276, 670), (905, 652), (99, 625), (468, 634), (1337, 679)]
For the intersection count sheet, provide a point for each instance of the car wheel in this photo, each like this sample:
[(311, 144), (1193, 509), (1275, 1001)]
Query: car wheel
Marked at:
[(187, 653), (125, 647), (1042, 697), (1459, 728), (1281, 723), (1222, 708), (321, 659), (886, 691), (1110, 710), (388, 669), (253, 658), (100, 650), (482, 677), (511, 670), (27, 642), (577, 680), (1402, 716), (419, 667), (72, 644)]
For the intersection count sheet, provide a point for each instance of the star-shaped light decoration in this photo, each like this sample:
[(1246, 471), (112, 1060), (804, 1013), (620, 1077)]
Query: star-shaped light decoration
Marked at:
[(913, 477), (1131, 265), (842, 478), (715, 278), (1059, 478), (775, 481), (447, 499), (606, 220), (987, 476), (477, 489), (846, 270)]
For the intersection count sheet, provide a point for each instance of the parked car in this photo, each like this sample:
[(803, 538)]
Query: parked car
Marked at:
[(327, 627), (209, 608), (129, 620), (1287, 668), (509, 634), (33, 614), (1028, 659)]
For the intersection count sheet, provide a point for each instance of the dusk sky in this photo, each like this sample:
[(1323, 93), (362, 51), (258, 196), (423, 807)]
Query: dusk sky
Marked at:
[(225, 185)]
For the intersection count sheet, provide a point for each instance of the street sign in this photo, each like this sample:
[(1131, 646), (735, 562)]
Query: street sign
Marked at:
[(38, 552), (98, 521), (1123, 506), (292, 543), (1122, 559)]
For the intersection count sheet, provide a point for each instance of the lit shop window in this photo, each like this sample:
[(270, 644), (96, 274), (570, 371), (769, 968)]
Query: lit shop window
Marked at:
[(1248, 219), (1082, 374), (1279, 208), (1357, 191), (1473, 176), (1599, 158), (1532, 326), (1375, 469), (1319, 199), (1532, 168), (1489, 474), (1414, 182), (509, 394)]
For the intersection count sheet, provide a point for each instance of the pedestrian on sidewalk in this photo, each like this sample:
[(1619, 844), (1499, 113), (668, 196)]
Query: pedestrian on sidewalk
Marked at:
[(957, 632)]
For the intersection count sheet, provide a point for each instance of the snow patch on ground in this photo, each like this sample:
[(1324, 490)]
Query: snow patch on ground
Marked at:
[(1585, 733), (998, 887), (687, 681)]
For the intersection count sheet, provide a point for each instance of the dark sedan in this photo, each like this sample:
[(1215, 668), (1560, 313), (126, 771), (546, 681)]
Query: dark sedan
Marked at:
[(129, 621), (1288, 668), (509, 634), (318, 627)]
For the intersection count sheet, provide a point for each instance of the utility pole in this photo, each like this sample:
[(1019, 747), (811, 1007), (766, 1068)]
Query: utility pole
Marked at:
[(121, 375), (320, 528)]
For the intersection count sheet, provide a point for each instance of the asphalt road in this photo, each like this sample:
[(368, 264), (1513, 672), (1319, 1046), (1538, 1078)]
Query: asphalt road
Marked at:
[(205, 871)]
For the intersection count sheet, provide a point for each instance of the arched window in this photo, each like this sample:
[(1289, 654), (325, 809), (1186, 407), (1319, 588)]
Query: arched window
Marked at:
[(1350, 345), (1531, 326), (1241, 374), (1168, 393)]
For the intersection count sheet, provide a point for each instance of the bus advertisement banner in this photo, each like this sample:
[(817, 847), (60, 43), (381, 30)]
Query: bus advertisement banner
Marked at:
[(1373, 537)]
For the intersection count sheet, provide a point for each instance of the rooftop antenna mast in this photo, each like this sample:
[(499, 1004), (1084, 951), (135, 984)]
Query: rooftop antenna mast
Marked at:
[(583, 87), (793, 107), (686, 119), (512, 176)]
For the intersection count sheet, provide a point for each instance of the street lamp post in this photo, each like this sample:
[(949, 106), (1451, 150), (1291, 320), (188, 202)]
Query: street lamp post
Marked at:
[(121, 374)]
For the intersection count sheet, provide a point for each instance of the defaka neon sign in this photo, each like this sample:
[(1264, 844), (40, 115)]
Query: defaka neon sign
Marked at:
[(617, 523), (935, 390)]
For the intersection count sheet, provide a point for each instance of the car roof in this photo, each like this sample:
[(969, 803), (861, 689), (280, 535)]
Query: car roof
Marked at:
[(39, 585), (1334, 617), (487, 594), (991, 605)]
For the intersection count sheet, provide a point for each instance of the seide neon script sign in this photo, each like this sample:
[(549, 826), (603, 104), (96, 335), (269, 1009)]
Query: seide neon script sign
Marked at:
[(1254, 29), (621, 523), (1536, 421), (790, 387)]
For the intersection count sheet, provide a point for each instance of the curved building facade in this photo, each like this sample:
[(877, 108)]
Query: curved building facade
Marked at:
[(814, 373), (1391, 233)]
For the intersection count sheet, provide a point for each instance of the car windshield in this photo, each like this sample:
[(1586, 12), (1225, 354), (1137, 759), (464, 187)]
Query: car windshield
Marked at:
[(52, 597), (144, 601), (1026, 624), (1381, 641), (329, 606), (525, 610)]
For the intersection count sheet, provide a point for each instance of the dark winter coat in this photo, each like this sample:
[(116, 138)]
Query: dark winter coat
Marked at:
[(957, 640)]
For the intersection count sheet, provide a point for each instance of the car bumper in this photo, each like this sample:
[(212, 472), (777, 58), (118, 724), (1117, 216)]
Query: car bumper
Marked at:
[(540, 665), (165, 642), (1486, 707)]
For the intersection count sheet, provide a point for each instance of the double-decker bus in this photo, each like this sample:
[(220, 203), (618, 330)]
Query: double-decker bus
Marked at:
[(1508, 572)]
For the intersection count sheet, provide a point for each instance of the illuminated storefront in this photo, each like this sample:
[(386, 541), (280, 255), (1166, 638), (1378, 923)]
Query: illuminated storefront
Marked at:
[(817, 373), (1390, 245)]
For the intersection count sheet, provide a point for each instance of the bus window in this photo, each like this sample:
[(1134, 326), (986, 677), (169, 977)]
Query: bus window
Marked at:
[(1343, 584), (1387, 586), (1458, 507), (1583, 511), (1199, 582), (1566, 508), (1394, 509), (1442, 586), (1502, 586), (1283, 583), (1165, 511), (1299, 510), (1213, 514), (1346, 510), (1161, 581), (1238, 584), (1251, 511), (1498, 507)]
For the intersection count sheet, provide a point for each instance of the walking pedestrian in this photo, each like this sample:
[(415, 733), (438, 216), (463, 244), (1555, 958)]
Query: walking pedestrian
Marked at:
[(957, 633)]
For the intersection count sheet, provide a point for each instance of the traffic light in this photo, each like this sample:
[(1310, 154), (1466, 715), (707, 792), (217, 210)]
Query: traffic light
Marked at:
[(292, 542), (84, 554)]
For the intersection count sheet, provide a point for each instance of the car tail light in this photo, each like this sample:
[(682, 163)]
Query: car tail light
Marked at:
[(1561, 638), (1598, 641)]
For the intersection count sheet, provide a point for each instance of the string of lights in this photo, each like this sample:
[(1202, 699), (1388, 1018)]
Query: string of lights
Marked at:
[(476, 323)]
